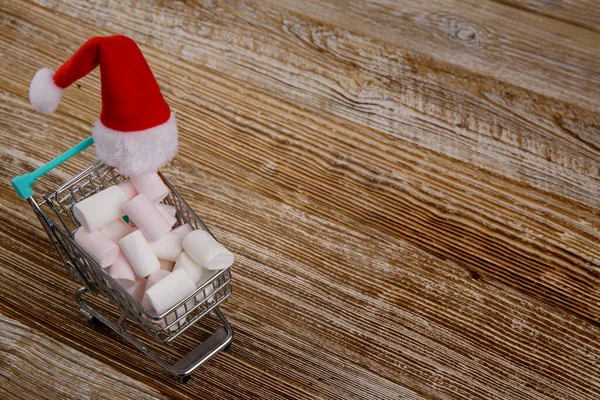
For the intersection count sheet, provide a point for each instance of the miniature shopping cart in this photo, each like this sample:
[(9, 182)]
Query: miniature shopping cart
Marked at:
[(55, 213)]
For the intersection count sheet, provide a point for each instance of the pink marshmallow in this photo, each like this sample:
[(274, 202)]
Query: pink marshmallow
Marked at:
[(151, 185), (147, 218), (120, 270), (100, 248), (137, 290), (168, 212), (116, 230), (128, 189), (185, 228), (166, 265)]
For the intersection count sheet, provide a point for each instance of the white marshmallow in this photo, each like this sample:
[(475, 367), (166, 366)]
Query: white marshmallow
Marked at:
[(208, 290), (139, 254), (152, 280), (170, 290), (168, 247), (206, 251), (166, 265), (168, 212), (146, 217), (185, 228), (101, 208), (100, 248), (120, 270), (151, 185), (172, 318), (116, 230), (128, 189), (172, 210), (194, 271)]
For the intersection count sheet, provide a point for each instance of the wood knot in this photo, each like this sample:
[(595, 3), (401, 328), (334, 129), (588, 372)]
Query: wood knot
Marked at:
[(465, 34)]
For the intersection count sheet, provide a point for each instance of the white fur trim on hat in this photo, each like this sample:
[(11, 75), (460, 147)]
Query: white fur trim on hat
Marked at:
[(134, 153), (43, 92)]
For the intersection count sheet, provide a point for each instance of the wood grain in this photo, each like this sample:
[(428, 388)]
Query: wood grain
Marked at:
[(404, 226), (552, 58), (34, 366), (582, 13), (424, 323), (551, 253)]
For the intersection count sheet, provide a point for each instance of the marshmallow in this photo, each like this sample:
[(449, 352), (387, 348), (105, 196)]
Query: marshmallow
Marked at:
[(100, 248), (151, 185), (128, 189), (168, 212), (122, 273), (205, 293), (168, 291), (197, 274), (166, 265), (180, 312), (155, 277), (116, 230), (172, 210), (168, 247), (185, 228), (146, 217), (101, 208), (194, 271), (139, 254), (208, 290), (152, 280), (137, 290), (206, 251)]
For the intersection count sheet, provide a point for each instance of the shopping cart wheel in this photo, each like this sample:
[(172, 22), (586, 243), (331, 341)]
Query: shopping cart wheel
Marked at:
[(183, 378)]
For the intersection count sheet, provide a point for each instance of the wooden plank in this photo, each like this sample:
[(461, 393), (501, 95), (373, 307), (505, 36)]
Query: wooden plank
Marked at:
[(34, 366), (540, 54), (476, 218), (368, 266), (491, 125), (582, 13), (332, 316)]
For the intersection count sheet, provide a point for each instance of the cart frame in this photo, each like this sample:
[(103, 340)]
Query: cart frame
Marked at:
[(55, 215)]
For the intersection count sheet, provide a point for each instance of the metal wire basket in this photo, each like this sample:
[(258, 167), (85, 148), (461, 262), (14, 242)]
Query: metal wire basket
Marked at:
[(54, 211)]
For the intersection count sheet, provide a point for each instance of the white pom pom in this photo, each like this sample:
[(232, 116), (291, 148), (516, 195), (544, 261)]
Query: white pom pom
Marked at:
[(43, 92)]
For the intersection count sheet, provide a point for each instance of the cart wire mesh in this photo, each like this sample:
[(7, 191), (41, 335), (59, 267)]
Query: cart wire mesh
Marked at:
[(55, 214)]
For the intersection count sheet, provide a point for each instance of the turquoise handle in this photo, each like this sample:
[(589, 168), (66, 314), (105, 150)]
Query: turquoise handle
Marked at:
[(22, 183)]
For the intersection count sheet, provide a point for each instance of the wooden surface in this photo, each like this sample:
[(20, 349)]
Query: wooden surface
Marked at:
[(411, 190), (39, 368)]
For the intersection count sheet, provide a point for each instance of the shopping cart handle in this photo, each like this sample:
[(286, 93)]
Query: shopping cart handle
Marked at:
[(22, 183)]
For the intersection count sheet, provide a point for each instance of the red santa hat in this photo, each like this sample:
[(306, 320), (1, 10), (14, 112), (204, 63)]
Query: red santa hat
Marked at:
[(136, 132)]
